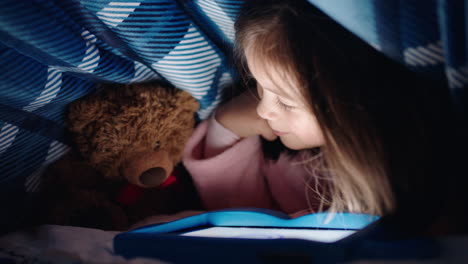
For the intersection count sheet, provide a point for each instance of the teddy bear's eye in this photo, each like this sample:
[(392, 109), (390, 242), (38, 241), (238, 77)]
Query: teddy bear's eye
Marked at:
[(156, 145)]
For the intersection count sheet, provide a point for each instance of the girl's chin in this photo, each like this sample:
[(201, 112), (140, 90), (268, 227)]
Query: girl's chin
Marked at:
[(289, 144), (296, 145)]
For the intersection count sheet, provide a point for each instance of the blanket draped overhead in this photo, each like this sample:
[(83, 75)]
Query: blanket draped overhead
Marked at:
[(53, 52)]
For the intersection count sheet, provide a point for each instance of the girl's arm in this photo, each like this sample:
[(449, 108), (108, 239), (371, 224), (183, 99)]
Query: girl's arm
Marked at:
[(226, 170), (239, 115), (235, 174), (225, 159)]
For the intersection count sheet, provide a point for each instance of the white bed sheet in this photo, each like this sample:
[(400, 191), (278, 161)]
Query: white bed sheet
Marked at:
[(62, 244)]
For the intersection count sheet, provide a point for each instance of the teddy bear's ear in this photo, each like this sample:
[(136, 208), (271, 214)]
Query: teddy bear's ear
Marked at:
[(83, 111)]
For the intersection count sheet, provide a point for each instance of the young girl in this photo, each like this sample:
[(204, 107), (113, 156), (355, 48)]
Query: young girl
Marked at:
[(368, 133)]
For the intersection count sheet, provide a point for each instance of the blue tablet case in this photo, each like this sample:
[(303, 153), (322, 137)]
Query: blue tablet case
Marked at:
[(162, 241)]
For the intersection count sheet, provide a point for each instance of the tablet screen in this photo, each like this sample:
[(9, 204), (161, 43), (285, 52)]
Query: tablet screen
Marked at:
[(319, 235)]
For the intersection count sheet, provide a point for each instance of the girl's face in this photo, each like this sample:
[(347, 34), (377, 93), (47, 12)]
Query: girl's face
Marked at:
[(285, 109)]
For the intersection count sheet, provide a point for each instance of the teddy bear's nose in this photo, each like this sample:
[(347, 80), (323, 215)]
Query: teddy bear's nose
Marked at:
[(147, 169), (153, 177)]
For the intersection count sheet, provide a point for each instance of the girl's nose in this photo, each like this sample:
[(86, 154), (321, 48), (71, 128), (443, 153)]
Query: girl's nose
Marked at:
[(264, 112)]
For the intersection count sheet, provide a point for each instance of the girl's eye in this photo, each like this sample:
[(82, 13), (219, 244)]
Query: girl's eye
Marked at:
[(283, 105)]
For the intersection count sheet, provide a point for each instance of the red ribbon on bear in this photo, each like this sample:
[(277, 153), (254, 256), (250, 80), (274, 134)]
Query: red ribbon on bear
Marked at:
[(131, 193)]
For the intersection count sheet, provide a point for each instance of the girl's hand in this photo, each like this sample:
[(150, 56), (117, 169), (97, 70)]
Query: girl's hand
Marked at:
[(240, 116)]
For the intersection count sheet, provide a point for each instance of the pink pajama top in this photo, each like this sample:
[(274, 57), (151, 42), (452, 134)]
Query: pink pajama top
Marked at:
[(229, 171)]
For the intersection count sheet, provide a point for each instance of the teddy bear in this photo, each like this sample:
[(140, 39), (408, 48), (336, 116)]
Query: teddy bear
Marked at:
[(135, 132), (128, 139)]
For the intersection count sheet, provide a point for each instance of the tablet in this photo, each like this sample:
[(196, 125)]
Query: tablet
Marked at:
[(254, 217), (321, 235), (241, 235)]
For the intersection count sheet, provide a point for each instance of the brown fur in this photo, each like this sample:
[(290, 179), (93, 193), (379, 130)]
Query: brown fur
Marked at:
[(122, 120), (118, 124)]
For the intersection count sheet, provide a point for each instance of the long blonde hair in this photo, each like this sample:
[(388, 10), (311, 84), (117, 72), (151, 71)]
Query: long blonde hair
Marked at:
[(291, 38)]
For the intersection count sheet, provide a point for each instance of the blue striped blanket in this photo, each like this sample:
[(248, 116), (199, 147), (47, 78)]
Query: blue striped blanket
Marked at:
[(53, 52)]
